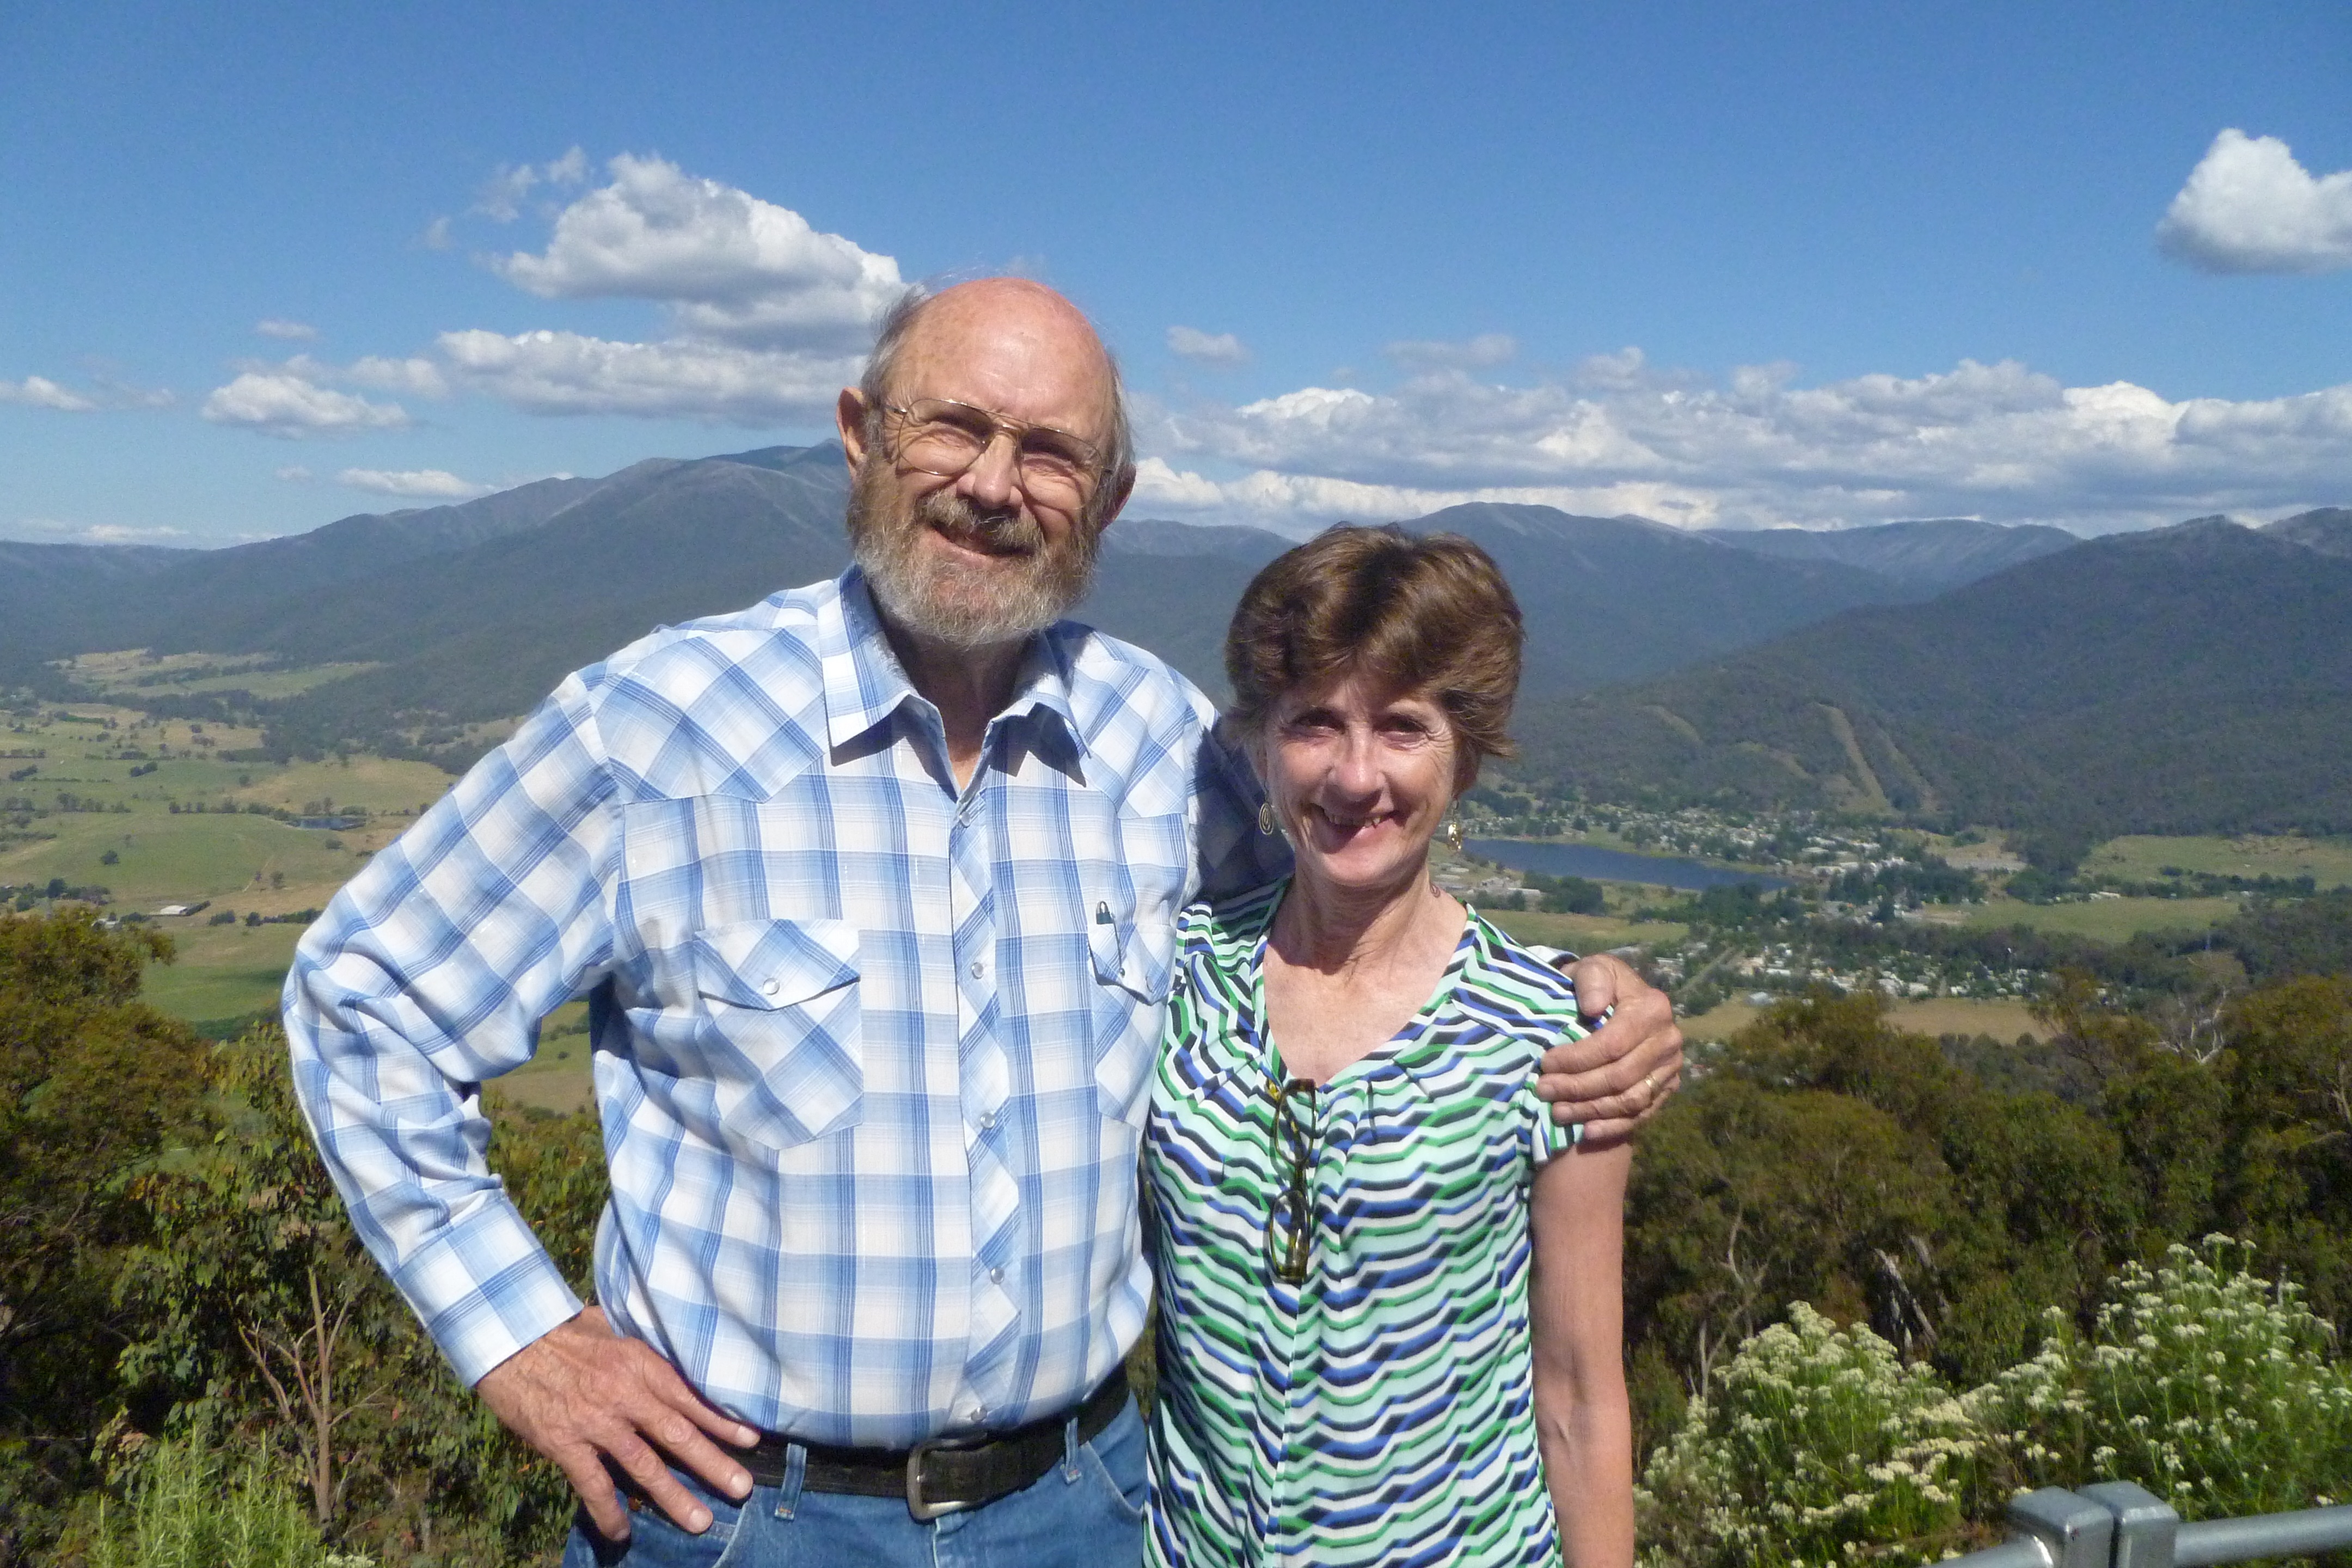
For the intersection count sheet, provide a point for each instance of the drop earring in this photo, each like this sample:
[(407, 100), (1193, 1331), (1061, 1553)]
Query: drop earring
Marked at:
[(1265, 817), (1454, 834)]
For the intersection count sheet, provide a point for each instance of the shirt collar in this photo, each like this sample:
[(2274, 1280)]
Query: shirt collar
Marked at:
[(864, 684)]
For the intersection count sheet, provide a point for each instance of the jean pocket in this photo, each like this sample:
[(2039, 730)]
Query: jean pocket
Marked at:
[(1113, 1462), (780, 1003)]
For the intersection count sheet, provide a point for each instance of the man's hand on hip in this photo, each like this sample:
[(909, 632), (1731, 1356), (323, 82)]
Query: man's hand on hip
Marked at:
[(1615, 1078), (583, 1393)]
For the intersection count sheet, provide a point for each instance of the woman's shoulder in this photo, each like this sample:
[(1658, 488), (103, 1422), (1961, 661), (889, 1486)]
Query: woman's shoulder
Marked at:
[(1507, 977), (1238, 920)]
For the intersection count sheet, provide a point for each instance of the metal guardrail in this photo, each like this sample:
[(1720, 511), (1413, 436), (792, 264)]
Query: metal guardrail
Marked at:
[(2118, 1524)]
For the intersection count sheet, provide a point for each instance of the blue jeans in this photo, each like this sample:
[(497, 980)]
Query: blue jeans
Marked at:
[(1085, 1512)]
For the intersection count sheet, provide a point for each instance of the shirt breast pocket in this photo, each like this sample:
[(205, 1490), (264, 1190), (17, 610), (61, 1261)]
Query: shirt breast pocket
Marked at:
[(1134, 962), (781, 1003)]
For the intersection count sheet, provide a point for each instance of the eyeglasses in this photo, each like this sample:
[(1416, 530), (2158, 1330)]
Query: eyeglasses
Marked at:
[(1293, 1138), (940, 435)]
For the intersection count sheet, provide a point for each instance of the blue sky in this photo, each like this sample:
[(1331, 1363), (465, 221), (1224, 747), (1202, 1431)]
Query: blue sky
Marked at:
[(1720, 265)]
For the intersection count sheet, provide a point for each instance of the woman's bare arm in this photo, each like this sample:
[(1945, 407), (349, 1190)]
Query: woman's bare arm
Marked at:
[(1576, 1311)]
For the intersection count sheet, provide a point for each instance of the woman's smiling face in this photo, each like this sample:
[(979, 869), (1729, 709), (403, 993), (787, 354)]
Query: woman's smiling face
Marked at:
[(1361, 776)]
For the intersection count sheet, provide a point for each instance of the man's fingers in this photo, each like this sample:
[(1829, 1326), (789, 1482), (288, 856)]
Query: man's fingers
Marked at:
[(585, 1470), (674, 1391), (687, 1447), (645, 1467)]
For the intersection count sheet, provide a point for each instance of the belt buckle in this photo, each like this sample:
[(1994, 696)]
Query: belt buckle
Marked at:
[(916, 1504)]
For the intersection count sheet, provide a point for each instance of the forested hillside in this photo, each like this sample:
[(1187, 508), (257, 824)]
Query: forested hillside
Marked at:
[(2197, 679)]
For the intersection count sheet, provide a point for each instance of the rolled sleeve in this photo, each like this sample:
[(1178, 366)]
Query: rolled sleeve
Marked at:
[(428, 973)]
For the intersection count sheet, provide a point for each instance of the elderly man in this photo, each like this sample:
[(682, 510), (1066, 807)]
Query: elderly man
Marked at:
[(870, 888)]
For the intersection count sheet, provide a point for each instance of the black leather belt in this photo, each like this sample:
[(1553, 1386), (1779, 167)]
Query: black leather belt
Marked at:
[(943, 1475)]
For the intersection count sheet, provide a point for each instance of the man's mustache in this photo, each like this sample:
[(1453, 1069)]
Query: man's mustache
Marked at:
[(1006, 532)]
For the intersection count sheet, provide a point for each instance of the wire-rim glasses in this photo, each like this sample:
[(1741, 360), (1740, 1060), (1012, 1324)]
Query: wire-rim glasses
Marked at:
[(941, 436), (1293, 1138)]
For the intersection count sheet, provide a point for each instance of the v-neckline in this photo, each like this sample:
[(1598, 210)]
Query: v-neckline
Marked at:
[(1411, 1033)]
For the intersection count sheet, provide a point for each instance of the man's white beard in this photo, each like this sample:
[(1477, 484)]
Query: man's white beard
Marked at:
[(955, 602)]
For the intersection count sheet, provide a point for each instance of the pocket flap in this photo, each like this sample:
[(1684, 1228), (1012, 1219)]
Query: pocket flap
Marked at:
[(1138, 958), (774, 964)]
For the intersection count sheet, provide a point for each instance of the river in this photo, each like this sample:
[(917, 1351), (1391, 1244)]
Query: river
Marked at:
[(1614, 865)]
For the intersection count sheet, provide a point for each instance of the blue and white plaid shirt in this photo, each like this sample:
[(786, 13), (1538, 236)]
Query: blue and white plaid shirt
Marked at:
[(871, 1051)]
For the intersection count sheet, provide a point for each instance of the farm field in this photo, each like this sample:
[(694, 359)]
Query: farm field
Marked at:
[(2003, 1020), (219, 971), (1583, 933), (134, 669), (157, 818), (2105, 920), (2326, 861)]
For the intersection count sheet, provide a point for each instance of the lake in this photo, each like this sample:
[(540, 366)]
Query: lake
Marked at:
[(1614, 865)]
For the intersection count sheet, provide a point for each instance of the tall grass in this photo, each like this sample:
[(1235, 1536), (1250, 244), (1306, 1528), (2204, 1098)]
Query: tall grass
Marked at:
[(196, 1504)]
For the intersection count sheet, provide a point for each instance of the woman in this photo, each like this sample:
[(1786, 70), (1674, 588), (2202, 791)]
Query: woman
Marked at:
[(1389, 1316)]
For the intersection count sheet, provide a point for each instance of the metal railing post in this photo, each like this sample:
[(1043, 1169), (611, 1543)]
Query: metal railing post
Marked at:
[(2076, 1532), (2146, 1526)]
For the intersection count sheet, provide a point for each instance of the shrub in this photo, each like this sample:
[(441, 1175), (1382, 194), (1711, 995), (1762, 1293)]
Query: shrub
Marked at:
[(193, 1504), (1815, 1446), (2209, 1386)]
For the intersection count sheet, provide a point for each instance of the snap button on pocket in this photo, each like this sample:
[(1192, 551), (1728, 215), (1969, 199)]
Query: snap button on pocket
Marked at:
[(770, 988)]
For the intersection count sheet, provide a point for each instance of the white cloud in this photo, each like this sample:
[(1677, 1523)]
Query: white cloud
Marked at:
[(730, 266), (54, 530), (1999, 441), (502, 194), (275, 326), (416, 376), (40, 392), (2249, 206), (295, 474), (436, 236), (436, 483), (1486, 349), (566, 372), (283, 404), (1206, 348)]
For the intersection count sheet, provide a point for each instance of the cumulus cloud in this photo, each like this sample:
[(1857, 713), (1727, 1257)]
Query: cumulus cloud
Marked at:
[(437, 484), (501, 195), (567, 373), (2249, 206), (730, 266), (1754, 448), (1475, 353), (283, 404), (276, 327), (1206, 348), (416, 376), (40, 392)]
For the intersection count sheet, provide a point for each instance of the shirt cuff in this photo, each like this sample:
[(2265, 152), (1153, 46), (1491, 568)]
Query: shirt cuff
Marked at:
[(485, 1287)]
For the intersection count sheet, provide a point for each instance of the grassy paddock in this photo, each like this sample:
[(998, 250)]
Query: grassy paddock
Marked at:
[(2327, 861), (220, 972), (2003, 1020), (2107, 920), (1584, 933)]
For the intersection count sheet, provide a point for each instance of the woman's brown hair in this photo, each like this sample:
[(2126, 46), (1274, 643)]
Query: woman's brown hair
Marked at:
[(1426, 615)]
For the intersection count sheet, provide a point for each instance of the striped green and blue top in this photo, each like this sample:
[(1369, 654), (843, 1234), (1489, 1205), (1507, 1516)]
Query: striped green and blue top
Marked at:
[(1382, 1412)]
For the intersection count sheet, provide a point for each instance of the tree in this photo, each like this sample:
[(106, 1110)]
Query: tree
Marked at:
[(93, 1086)]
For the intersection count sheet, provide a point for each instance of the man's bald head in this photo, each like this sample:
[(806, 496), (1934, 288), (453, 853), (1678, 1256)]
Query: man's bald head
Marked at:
[(1015, 307)]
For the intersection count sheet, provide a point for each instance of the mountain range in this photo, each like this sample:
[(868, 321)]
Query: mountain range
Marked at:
[(1930, 667), (2194, 679)]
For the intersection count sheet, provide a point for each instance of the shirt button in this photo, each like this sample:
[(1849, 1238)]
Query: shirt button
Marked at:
[(988, 1121), (977, 969), (770, 988), (996, 1276)]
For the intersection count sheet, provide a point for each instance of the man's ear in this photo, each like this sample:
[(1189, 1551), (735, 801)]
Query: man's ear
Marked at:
[(1121, 488), (849, 419)]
